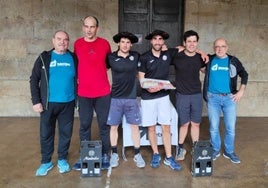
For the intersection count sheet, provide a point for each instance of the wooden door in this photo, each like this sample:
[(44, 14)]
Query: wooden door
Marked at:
[(141, 17)]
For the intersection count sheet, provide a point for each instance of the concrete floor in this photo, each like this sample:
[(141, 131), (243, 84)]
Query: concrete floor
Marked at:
[(20, 156)]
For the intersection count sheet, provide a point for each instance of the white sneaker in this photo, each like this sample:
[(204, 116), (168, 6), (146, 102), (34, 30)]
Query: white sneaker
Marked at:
[(140, 163), (114, 160)]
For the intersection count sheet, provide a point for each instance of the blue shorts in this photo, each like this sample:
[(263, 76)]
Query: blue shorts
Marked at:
[(127, 107), (189, 108)]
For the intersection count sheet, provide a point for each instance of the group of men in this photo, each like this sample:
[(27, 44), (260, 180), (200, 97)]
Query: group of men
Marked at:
[(58, 76)]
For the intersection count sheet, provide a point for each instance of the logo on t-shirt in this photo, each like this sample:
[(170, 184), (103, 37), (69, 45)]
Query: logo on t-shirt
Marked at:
[(216, 67), (59, 64)]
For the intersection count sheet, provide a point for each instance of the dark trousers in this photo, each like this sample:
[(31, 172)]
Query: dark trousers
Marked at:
[(101, 106), (64, 114)]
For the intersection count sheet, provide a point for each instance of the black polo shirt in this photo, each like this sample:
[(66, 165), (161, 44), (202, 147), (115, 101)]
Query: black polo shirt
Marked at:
[(124, 75), (156, 68)]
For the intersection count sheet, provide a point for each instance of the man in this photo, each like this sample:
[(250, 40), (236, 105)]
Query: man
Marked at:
[(155, 101), (53, 88), (93, 85), (221, 94), (124, 64), (188, 64)]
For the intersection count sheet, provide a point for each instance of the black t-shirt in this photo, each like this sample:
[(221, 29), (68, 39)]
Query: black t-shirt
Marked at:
[(187, 73), (156, 68), (124, 75)]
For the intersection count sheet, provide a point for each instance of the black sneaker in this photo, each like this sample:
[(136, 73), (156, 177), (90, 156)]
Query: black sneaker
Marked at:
[(77, 165), (232, 156), (105, 162)]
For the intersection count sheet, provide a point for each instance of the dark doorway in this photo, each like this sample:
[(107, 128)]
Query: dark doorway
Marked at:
[(140, 17), (143, 16)]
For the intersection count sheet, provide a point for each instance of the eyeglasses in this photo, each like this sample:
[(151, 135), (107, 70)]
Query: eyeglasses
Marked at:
[(218, 47)]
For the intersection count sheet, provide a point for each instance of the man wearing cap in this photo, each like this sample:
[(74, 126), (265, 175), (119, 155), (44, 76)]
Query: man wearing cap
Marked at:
[(155, 101), (123, 64)]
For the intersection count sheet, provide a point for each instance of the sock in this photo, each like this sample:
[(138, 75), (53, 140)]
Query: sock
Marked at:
[(136, 150), (114, 149)]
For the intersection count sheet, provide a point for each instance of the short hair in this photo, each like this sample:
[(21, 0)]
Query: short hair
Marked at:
[(94, 17), (61, 31), (220, 39), (189, 34)]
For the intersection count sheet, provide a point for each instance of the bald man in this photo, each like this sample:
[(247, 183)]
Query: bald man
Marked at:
[(221, 95), (93, 85), (54, 73)]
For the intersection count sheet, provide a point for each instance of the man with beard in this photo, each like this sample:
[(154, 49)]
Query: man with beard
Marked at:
[(155, 102)]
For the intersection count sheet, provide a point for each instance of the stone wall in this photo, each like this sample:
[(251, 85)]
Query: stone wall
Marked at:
[(27, 26), (244, 24)]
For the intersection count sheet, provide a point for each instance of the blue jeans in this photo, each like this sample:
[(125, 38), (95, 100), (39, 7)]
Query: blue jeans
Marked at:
[(216, 104)]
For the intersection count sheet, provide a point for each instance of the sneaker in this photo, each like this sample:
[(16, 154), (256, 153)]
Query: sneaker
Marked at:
[(172, 163), (63, 166), (181, 152), (44, 168), (232, 156), (155, 163), (215, 155), (77, 165), (140, 163), (105, 164), (114, 160)]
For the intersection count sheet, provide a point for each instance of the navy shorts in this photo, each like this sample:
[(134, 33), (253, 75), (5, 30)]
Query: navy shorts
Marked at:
[(127, 107), (189, 108)]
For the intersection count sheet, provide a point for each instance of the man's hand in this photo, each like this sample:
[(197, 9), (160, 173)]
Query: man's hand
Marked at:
[(154, 89), (180, 48), (38, 107), (164, 47), (204, 56), (239, 94)]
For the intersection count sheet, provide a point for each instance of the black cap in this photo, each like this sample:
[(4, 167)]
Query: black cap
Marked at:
[(125, 34), (163, 34)]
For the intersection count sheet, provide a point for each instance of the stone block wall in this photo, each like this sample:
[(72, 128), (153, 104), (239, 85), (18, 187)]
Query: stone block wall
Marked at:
[(244, 24), (27, 26)]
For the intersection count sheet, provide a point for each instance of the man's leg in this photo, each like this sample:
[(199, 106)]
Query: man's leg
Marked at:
[(85, 117), (195, 131), (183, 107), (102, 106), (214, 111), (135, 134), (166, 139), (181, 152), (229, 115), (153, 139), (114, 160), (65, 126)]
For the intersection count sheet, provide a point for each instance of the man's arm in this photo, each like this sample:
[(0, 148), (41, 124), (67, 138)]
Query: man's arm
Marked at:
[(204, 56)]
